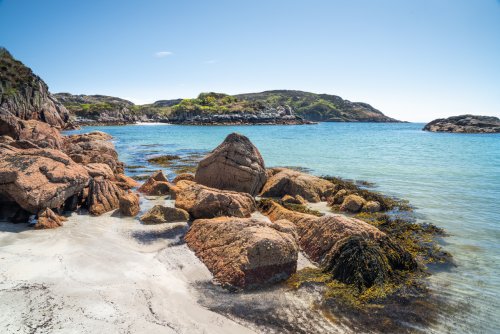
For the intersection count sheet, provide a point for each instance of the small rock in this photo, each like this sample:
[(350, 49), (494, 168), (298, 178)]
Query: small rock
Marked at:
[(129, 204), (352, 203), (371, 206), (48, 219), (161, 214)]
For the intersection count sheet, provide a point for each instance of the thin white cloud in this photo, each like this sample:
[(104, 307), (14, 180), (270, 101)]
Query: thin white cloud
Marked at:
[(163, 54), (211, 61)]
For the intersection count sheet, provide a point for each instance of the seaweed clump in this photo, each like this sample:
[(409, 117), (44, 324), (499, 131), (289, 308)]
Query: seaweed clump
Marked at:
[(164, 160)]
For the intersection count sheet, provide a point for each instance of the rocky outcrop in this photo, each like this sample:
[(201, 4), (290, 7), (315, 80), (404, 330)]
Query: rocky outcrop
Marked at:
[(125, 182), (157, 185), (465, 124), (204, 202), (25, 96), (160, 214), (99, 169), (352, 203), (353, 251), (48, 219), (283, 181), (103, 197), (39, 178), (129, 204), (94, 147), (236, 164), (245, 253), (39, 133)]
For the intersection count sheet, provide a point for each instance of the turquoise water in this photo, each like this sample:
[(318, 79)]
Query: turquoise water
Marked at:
[(452, 179)]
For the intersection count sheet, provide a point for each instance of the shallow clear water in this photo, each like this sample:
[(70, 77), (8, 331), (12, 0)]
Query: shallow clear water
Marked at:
[(453, 180)]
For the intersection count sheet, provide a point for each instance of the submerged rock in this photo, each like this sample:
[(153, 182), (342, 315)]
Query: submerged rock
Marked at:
[(245, 253), (236, 164), (283, 181), (204, 202), (39, 178), (160, 214), (353, 251)]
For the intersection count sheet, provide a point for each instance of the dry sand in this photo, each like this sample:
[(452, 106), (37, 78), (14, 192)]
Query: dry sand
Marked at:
[(114, 275)]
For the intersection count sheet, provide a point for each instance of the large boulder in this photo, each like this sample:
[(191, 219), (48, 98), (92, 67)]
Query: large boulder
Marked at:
[(353, 251), (125, 182), (245, 253), (103, 197), (235, 165), (39, 178), (160, 214), (204, 202), (99, 169), (129, 204), (284, 181), (93, 147)]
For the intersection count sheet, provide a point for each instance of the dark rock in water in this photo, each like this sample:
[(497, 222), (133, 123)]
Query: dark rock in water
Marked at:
[(204, 202), (26, 96), (104, 196), (465, 124), (353, 251), (245, 253), (236, 164)]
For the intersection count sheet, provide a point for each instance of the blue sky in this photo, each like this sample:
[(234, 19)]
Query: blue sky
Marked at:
[(413, 60)]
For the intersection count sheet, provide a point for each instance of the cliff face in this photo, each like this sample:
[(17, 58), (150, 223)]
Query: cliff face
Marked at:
[(24, 95), (465, 124)]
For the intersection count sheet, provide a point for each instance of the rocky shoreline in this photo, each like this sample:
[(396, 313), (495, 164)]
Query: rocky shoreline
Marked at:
[(465, 124), (249, 225)]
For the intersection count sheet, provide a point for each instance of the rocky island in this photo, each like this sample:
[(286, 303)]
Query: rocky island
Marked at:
[(271, 107), (465, 124)]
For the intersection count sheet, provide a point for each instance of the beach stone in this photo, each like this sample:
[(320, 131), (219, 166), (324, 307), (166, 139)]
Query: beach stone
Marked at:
[(156, 185), (48, 219), (103, 197), (160, 214), (129, 204), (236, 164), (284, 181), (204, 202), (352, 203), (245, 252), (353, 251), (338, 198), (39, 178), (183, 176), (371, 206)]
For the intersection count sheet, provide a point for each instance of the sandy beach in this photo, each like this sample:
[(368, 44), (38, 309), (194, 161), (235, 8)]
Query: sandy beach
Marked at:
[(110, 274)]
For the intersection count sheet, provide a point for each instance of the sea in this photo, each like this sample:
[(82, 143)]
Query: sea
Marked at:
[(452, 180)]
